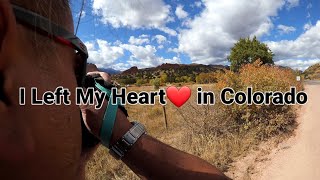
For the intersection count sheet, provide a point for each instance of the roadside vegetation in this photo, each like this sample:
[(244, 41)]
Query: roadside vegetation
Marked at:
[(313, 72), (217, 133)]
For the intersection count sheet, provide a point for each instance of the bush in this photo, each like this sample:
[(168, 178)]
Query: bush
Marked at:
[(156, 83), (141, 82), (264, 120), (220, 133), (206, 78)]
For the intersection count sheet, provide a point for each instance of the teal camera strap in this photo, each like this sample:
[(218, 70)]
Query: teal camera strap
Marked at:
[(108, 118)]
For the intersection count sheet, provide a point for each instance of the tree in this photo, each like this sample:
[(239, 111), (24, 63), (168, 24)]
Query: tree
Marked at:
[(139, 82), (164, 78), (155, 82), (247, 51), (206, 78)]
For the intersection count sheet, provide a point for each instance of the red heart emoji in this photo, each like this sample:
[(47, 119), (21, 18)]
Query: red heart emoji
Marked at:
[(178, 97)]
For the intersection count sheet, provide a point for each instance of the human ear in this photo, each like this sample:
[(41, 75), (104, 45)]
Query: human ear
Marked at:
[(7, 22), (8, 32)]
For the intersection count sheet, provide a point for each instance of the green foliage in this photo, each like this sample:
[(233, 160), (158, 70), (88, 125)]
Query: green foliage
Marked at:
[(155, 82), (313, 72), (247, 51), (139, 82), (164, 78), (206, 78), (127, 80), (185, 73)]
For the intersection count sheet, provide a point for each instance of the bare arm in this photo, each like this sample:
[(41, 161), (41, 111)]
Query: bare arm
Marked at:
[(150, 158), (153, 159)]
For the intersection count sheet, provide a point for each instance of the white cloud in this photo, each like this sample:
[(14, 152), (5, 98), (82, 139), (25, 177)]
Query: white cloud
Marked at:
[(309, 6), (103, 54), (145, 56), (134, 14), (180, 13), (160, 46), (106, 55), (210, 35), (292, 3), (307, 26), (297, 64), (198, 4), (144, 36), (160, 39), (305, 49), (138, 41), (175, 50), (168, 31), (308, 15), (121, 66), (286, 29)]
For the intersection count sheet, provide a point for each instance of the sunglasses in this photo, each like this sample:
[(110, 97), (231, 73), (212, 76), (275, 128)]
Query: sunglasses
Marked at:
[(57, 33)]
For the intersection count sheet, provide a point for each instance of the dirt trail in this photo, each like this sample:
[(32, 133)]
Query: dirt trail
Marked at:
[(300, 159)]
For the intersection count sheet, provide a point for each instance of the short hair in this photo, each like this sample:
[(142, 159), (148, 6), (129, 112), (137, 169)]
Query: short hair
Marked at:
[(57, 11)]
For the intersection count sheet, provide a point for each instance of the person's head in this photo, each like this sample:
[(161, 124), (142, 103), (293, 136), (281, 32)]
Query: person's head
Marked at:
[(37, 141)]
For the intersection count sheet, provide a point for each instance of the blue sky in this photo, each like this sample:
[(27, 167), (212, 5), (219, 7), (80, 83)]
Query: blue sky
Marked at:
[(147, 33)]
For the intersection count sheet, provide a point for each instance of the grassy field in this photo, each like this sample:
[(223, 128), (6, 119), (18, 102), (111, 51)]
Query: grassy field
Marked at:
[(188, 130), (217, 133)]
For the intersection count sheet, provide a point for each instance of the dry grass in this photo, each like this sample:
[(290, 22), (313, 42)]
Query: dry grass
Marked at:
[(210, 132)]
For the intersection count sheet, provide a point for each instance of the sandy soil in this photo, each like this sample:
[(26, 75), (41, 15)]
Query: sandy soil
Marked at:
[(301, 158), (296, 158)]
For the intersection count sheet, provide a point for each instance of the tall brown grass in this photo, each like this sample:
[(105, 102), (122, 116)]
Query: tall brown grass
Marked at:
[(216, 133)]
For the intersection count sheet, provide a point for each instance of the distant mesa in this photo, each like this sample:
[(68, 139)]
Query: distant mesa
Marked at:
[(167, 67), (132, 70), (91, 67), (110, 71)]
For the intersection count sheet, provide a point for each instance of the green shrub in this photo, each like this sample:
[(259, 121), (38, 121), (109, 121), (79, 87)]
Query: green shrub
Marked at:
[(264, 120)]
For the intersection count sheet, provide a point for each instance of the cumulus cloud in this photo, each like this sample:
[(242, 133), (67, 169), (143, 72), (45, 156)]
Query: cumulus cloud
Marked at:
[(198, 4), (180, 13), (210, 35), (285, 29), (138, 41), (103, 54), (106, 55), (297, 64), (306, 48), (160, 46), (134, 14), (160, 39), (292, 3), (307, 26), (145, 56), (143, 13), (168, 31), (175, 50), (121, 66)]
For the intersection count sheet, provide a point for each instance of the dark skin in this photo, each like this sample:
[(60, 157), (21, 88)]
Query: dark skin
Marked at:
[(44, 142)]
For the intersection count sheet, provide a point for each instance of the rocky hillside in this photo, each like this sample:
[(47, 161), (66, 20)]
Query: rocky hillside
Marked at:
[(313, 72), (93, 67), (171, 70)]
